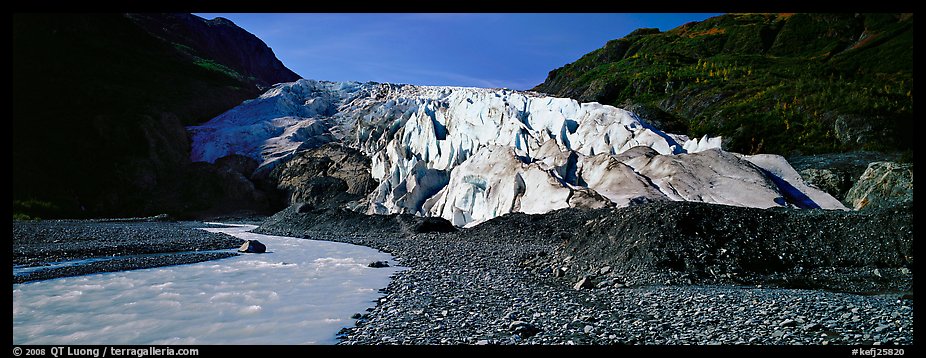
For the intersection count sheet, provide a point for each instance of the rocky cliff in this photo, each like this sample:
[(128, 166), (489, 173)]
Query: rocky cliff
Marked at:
[(100, 105)]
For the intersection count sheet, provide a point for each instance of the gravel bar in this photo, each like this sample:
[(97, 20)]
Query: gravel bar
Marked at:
[(132, 244)]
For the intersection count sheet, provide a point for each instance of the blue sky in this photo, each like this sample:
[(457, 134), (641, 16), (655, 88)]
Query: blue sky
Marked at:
[(484, 50)]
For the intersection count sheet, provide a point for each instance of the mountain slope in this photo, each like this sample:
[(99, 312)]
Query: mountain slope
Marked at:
[(218, 43), (99, 109), (471, 154), (776, 83)]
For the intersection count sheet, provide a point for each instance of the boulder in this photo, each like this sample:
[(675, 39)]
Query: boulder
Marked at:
[(883, 184), (378, 264), (829, 180), (523, 329), (324, 177), (585, 282), (435, 224), (253, 247)]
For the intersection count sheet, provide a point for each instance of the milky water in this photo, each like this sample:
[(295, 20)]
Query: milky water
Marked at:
[(300, 292)]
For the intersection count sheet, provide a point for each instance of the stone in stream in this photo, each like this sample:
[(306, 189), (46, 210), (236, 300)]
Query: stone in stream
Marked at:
[(378, 264), (253, 246)]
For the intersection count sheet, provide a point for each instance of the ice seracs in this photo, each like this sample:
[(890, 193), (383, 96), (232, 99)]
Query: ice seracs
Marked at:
[(471, 154)]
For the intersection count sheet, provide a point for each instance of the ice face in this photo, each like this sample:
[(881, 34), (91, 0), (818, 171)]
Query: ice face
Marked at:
[(300, 292), (423, 143)]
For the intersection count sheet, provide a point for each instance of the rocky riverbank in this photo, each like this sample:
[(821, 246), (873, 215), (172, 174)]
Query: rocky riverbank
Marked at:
[(660, 273), (131, 244)]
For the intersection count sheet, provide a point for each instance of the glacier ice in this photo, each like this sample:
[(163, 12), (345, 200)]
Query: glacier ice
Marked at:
[(471, 154)]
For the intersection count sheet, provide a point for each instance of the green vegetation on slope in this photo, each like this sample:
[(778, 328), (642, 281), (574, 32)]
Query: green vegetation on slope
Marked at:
[(773, 83)]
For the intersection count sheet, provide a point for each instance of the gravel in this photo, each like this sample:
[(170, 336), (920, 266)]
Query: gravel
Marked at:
[(485, 286), (132, 244)]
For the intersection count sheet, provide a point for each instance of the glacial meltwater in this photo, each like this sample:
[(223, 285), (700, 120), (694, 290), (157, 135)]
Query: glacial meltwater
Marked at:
[(299, 292)]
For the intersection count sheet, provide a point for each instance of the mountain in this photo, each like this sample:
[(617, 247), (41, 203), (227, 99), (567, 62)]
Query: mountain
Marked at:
[(219, 42), (472, 154), (776, 83), (100, 105)]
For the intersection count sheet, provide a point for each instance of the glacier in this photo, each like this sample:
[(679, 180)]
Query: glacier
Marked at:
[(472, 154)]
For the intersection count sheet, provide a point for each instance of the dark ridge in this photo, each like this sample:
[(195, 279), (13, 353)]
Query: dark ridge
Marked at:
[(101, 105)]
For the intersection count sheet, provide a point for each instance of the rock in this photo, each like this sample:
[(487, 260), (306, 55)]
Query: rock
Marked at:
[(585, 282), (324, 177), (855, 130), (604, 270), (434, 224), (834, 182), (303, 208), (882, 328), (811, 326), (356, 316), (379, 264), (883, 184), (253, 247), (788, 323), (558, 272), (523, 329), (482, 342), (836, 173)]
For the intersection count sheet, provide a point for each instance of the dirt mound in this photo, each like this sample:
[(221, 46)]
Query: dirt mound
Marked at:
[(685, 242), (674, 243)]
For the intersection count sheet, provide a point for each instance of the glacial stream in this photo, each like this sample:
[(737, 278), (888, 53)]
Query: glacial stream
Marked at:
[(299, 292)]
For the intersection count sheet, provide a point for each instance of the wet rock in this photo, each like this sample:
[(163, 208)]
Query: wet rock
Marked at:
[(253, 247), (378, 264)]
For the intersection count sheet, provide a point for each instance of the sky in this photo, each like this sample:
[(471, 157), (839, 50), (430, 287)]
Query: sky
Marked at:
[(514, 51)]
